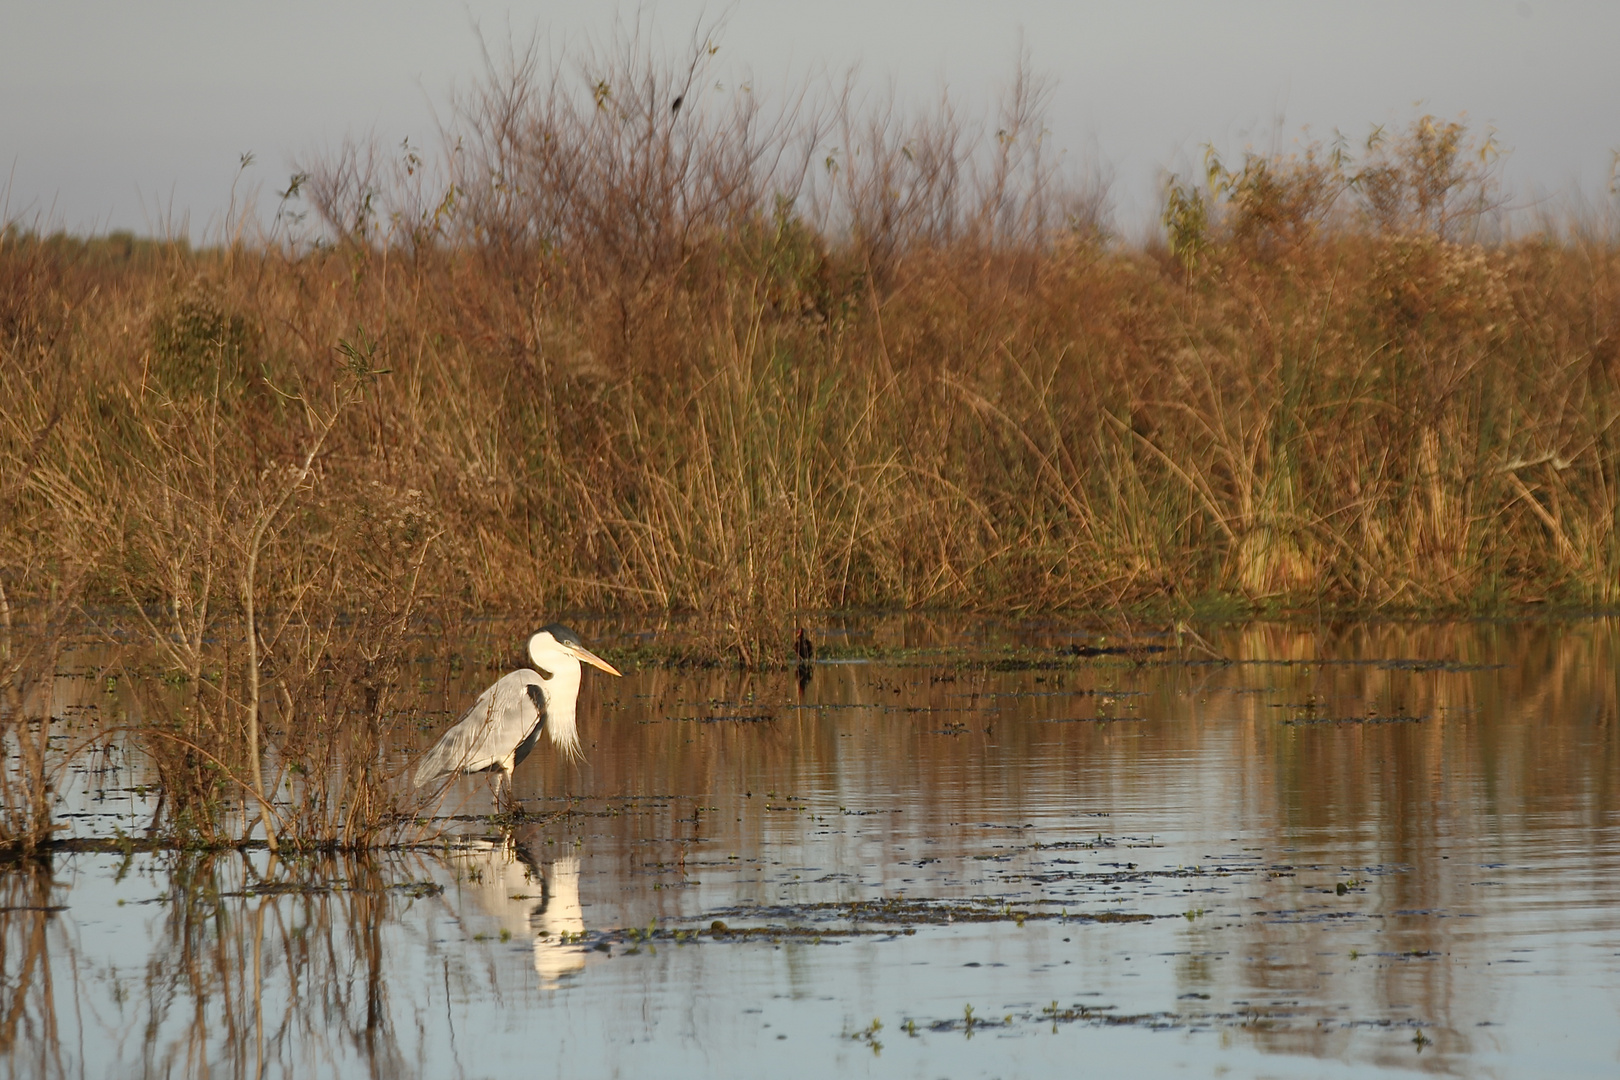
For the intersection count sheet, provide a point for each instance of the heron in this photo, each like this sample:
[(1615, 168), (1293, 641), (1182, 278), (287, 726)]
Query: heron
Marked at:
[(504, 723)]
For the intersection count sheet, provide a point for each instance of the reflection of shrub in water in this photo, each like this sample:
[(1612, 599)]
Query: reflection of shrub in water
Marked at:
[(28, 902), (257, 966)]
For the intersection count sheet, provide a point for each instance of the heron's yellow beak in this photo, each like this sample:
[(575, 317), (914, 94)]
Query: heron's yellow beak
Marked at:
[(591, 658)]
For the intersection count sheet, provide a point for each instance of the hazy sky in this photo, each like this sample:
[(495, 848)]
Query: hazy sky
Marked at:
[(128, 115)]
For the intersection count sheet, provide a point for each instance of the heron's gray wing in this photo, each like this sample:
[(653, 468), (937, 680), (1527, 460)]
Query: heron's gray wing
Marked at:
[(498, 722)]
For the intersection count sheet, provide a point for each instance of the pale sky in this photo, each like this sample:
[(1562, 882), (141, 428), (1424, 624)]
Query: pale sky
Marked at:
[(129, 115)]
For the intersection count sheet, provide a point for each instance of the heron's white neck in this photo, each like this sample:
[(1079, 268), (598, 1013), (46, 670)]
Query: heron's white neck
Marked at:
[(562, 697)]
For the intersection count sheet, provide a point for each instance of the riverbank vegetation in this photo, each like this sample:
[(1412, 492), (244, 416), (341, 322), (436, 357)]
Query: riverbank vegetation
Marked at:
[(626, 343)]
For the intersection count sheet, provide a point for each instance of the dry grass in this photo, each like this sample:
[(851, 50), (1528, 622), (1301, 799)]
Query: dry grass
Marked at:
[(610, 354)]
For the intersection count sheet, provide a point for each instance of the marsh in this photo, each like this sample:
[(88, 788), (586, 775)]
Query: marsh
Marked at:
[(1337, 849)]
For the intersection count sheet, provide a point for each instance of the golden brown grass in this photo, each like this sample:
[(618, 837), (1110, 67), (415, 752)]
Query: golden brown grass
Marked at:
[(613, 355)]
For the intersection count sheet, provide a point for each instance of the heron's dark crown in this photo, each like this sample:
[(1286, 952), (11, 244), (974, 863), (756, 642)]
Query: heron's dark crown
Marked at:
[(562, 634)]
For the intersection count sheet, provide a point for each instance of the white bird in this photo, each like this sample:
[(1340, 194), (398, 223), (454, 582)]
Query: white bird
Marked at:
[(504, 724)]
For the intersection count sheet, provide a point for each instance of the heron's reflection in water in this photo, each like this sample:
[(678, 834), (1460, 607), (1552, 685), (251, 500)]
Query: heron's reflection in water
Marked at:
[(533, 901)]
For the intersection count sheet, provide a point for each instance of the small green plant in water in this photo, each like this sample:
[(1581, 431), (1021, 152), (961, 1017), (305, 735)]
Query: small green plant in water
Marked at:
[(868, 1035)]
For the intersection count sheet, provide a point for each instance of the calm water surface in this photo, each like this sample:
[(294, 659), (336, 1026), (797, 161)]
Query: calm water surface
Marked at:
[(1354, 849)]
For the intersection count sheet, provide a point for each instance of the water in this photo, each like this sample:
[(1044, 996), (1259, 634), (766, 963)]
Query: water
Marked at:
[(1356, 849)]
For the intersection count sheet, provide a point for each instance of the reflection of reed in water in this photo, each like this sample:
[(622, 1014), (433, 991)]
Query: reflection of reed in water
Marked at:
[(532, 901), (30, 1043), (267, 969)]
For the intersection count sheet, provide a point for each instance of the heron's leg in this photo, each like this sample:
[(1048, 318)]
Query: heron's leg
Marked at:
[(503, 798)]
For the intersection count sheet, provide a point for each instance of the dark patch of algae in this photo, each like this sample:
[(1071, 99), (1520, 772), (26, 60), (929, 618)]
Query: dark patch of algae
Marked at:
[(891, 918), (831, 923), (881, 916)]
